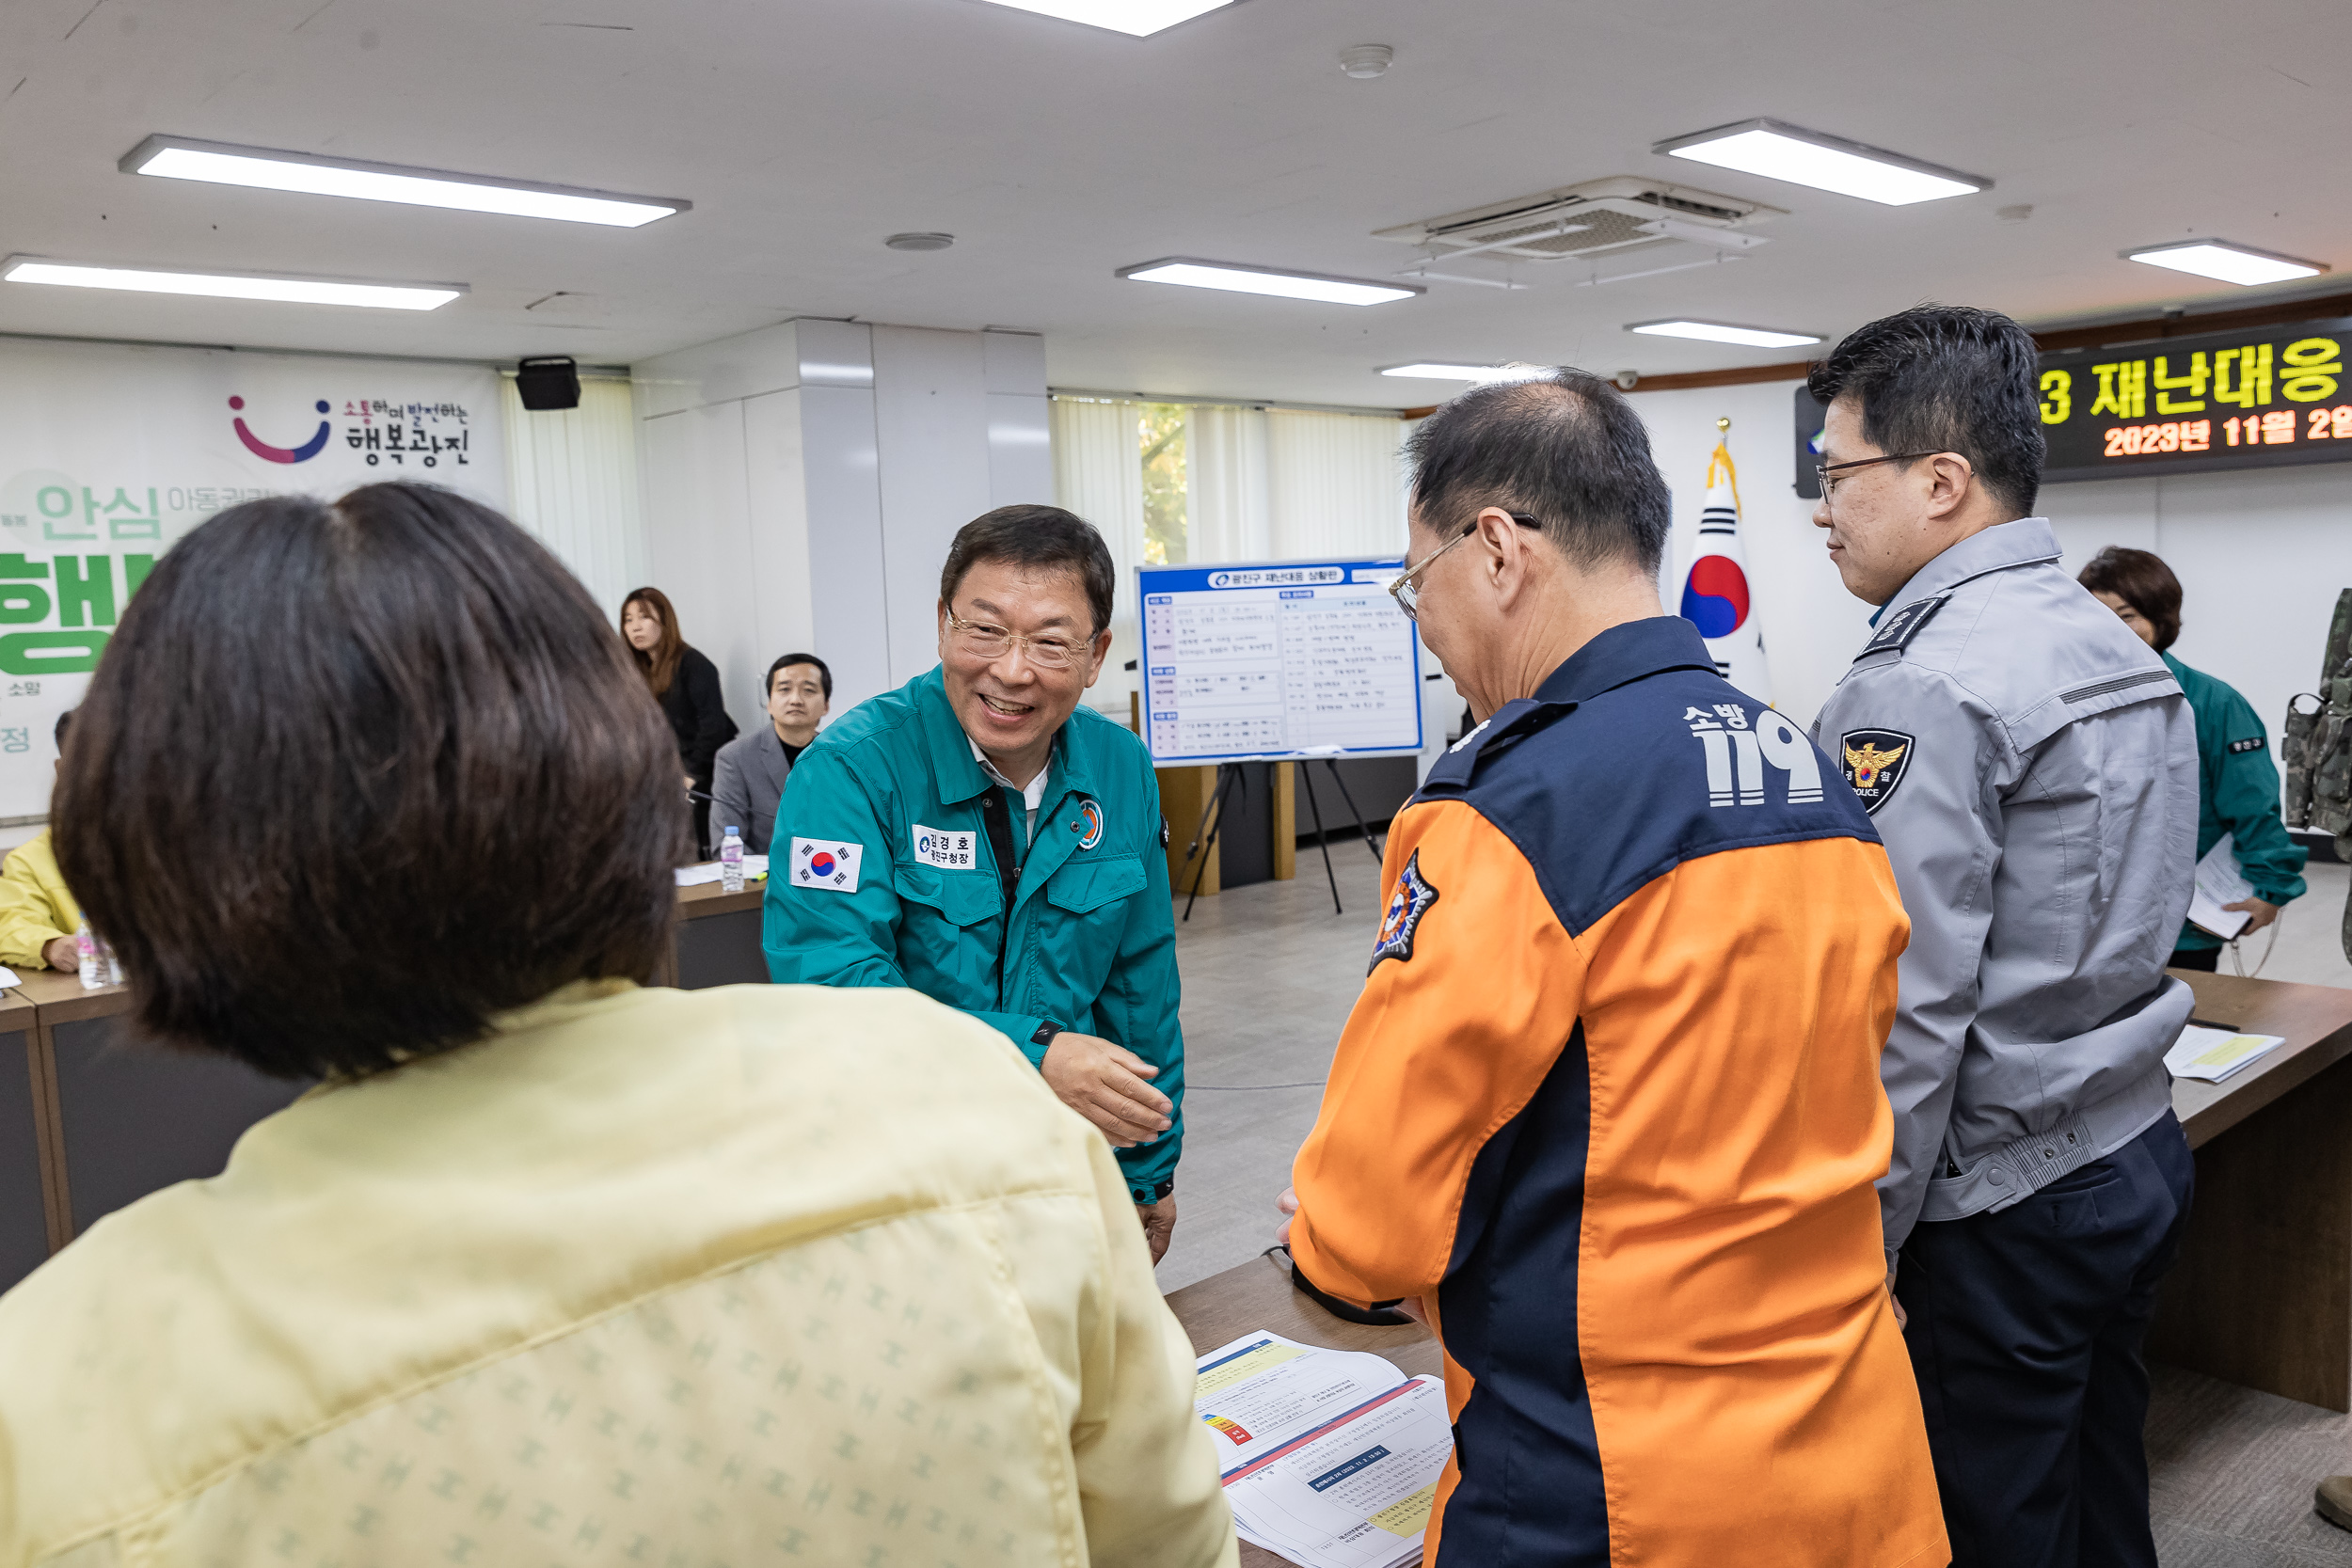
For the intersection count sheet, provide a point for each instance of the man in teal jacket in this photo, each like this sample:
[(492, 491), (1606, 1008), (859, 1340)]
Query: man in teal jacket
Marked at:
[(2238, 785), (978, 836)]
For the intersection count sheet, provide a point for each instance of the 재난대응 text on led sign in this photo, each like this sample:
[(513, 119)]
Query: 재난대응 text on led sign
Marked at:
[(2263, 398)]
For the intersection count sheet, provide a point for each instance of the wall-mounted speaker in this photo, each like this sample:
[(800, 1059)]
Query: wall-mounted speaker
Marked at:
[(548, 384)]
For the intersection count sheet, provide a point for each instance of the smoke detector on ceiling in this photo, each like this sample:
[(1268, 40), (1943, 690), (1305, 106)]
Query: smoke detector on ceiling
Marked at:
[(1592, 223), (1366, 60), (920, 242)]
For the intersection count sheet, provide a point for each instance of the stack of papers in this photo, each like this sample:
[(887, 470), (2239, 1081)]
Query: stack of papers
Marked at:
[(755, 867), (1330, 1458), (2214, 1055), (2220, 881)]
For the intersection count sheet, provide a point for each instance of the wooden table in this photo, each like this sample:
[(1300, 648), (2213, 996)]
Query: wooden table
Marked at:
[(717, 943), (1258, 1295), (2263, 1293)]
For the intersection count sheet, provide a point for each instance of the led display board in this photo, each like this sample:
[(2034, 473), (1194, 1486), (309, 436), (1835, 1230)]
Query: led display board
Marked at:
[(2261, 398)]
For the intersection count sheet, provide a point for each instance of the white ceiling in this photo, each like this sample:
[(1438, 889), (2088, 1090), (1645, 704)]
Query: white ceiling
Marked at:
[(806, 131)]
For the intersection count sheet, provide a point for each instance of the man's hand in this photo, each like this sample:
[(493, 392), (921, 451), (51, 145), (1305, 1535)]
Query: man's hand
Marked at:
[(1288, 1203), (1159, 1225), (2263, 914), (61, 954), (1903, 1319), (1105, 1084)]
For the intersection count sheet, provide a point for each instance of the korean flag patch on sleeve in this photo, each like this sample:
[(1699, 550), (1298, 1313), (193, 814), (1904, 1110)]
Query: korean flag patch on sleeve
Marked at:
[(826, 865), (1402, 918)]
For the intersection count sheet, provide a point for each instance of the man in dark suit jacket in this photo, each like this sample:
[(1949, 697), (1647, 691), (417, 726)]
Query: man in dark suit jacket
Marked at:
[(751, 770)]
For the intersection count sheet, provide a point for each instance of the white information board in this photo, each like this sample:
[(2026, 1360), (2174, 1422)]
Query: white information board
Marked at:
[(1284, 659)]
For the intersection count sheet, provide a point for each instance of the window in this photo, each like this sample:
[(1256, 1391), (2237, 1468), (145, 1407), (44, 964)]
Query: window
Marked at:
[(1160, 438)]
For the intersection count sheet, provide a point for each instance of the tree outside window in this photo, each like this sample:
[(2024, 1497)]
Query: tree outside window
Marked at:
[(1160, 438)]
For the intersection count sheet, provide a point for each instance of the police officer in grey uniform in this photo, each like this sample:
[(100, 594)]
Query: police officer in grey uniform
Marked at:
[(2032, 768)]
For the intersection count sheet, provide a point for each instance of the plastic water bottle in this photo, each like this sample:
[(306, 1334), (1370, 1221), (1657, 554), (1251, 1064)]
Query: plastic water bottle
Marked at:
[(731, 861), (86, 948)]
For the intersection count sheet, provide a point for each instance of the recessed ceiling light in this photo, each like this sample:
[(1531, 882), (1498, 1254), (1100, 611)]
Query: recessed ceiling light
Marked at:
[(2231, 263), (1432, 371), (219, 164), (1802, 157), (1141, 17), (1196, 274), (237, 285), (1721, 332)]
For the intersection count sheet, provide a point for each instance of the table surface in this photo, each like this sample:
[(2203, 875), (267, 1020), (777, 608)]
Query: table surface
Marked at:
[(2315, 1019), (1259, 1296), (709, 898)]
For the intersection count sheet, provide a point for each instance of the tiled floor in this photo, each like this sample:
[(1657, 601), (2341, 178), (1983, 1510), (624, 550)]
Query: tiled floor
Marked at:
[(1270, 975)]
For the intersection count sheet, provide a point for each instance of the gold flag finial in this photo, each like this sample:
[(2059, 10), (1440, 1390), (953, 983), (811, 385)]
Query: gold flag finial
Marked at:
[(1722, 424)]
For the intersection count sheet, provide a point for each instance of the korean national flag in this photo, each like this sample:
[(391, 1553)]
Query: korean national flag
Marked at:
[(1715, 587), (826, 865)]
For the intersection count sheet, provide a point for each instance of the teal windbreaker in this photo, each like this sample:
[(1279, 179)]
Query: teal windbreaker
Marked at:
[(888, 799), (2237, 793)]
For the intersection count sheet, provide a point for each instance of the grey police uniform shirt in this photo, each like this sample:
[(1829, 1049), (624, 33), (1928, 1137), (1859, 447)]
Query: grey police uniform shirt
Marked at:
[(2032, 768)]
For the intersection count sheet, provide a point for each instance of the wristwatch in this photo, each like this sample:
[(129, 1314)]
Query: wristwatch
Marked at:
[(1046, 1033)]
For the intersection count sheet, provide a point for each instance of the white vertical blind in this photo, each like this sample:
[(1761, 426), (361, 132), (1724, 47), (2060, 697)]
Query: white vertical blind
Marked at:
[(1098, 474), (1335, 484), (573, 479), (1225, 463)]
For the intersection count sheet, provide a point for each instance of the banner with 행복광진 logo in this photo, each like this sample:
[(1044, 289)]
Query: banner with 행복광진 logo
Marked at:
[(110, 452)]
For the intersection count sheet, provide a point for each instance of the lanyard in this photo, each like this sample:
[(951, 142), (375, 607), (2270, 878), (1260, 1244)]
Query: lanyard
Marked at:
[(997, 819)]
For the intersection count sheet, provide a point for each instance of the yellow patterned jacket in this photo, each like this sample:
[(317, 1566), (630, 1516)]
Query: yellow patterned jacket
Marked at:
[(36, 908), (763, 1274)]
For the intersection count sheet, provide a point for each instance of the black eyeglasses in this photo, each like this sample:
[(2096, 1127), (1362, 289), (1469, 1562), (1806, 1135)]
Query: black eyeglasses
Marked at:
[(1823, 471), (1408, 593)]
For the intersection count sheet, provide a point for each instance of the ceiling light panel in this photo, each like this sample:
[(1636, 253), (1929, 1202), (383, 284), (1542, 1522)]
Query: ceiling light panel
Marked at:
[(1781, 151), (261, 168), (216, 285), (2231, 263), (1193, 273), (1721, 332), (1138, 18), (1433, 370)]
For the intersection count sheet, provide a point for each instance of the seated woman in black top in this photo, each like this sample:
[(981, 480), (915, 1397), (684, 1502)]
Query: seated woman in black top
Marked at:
[(687, 686)]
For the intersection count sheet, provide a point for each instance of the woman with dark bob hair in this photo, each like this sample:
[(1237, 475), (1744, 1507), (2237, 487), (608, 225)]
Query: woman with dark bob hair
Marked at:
[(2238, 786), (366, 792)]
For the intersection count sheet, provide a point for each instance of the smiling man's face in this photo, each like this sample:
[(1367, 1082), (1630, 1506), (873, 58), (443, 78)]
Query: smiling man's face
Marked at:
[(1012, 704)]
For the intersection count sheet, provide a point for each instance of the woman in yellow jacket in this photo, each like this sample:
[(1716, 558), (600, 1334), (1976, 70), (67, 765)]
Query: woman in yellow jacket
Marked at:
[(38, 914), (549, 1267)]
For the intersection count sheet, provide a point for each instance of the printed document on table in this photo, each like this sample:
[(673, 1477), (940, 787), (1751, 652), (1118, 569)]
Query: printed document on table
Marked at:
[(1330, 1458), (2214, 1055), (2220, 881)]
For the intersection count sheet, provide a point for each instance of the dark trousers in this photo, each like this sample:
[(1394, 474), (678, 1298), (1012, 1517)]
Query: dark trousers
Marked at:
[(2206, 960), (2026, 1328)]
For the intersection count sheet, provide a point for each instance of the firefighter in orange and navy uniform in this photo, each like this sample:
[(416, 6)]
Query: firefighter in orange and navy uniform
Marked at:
[(1608, 1106)]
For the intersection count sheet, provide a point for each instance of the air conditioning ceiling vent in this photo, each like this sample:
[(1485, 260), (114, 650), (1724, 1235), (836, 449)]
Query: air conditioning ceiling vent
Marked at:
[(1600, 217)]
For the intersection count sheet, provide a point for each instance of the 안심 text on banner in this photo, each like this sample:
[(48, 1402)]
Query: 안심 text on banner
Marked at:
[(116, 451)]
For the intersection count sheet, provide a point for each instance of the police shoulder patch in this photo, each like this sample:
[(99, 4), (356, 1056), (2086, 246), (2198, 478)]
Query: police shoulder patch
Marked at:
[(1402, 918), (1897, 629), (2251, 743), (1874, 762)]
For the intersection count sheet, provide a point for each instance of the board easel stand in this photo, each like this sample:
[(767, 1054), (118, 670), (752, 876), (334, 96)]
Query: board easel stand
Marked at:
[(1213, 822)]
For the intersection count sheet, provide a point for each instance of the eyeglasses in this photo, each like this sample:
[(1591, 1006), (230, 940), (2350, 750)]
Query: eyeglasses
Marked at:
[(1823, 471), (982, 640), (1406, 592)]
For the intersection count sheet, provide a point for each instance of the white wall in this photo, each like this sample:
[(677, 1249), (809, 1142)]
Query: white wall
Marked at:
[(802, 482), (2260, 555), (1812, 626)]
